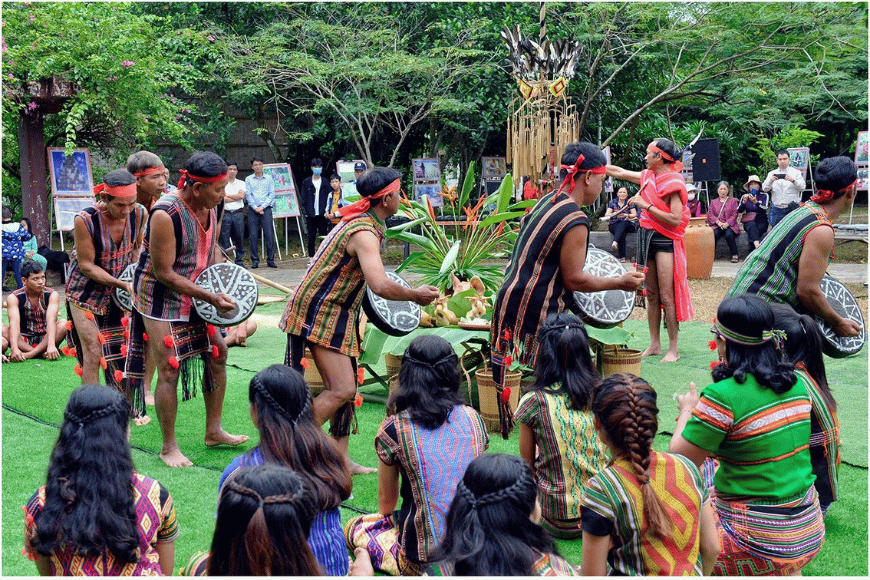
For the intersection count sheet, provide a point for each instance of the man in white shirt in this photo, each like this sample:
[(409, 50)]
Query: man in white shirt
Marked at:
[(260, 193), (785, 185), (233, 225)]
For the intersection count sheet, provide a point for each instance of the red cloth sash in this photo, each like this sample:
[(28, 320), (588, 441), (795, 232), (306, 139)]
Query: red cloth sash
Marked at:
[(653, 188)]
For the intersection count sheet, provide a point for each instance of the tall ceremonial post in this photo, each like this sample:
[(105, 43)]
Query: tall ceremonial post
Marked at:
[(542, 116)]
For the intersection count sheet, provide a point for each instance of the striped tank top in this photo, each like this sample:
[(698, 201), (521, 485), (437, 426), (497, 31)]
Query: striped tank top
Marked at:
[(194, 249), (32, 316), (113, 258), (533, 287), (770, 271), (325, 307)]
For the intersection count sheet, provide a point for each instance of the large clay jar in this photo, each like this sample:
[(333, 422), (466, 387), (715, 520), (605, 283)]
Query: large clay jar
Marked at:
[(700, 248)]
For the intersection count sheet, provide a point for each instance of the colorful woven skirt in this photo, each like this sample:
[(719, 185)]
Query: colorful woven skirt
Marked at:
[(760, 537), (380, 536)]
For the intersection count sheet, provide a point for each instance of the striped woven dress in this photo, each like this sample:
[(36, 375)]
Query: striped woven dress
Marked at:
[(614, 507), (533, 287), (569, 454), (770, 271), (325, 307)]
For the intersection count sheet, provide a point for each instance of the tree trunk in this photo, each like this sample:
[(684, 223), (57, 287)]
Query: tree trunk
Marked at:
[(34, 200)]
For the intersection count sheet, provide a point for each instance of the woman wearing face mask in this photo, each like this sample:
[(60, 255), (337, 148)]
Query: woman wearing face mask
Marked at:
[(754, 204), (695, 205)]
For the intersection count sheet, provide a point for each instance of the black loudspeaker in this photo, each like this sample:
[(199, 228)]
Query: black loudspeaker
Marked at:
[(492, 186), (705, 164)]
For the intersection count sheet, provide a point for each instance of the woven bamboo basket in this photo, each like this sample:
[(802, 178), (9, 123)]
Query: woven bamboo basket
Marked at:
[(622, 360), (487, 394), (312, 376)]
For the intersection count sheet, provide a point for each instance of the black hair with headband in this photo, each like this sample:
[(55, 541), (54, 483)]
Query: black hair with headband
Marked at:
[(428, 382), (489, 531), (564, 364)]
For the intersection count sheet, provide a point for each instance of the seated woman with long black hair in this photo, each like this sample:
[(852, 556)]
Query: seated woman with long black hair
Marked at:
[(755, 418), (96, 516)]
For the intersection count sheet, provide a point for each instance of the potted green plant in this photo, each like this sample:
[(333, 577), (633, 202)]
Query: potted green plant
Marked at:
[(486, 233)]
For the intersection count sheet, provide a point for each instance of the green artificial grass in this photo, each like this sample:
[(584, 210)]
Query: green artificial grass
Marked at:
[(35, 393)]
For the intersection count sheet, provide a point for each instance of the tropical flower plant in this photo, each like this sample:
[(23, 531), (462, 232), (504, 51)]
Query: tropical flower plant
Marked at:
[(486, 234)]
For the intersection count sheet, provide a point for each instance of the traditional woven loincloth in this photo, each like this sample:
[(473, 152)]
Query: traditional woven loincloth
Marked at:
[(190, 349), (110, 326)]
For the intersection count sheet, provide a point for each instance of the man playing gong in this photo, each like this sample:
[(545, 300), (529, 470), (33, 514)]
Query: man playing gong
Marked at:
[(790, 263), (323, 312), (180, 242), (547, 264)]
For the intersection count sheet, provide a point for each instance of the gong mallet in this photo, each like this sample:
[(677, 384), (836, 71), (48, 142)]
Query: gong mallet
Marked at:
[(265, 281)]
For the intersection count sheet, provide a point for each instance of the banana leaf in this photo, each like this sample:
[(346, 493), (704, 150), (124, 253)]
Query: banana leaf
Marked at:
[(505, 192), (467, 185), (450, 258), (523, 204), (405, 226), (411, 259), (500, 217), (419, 240)]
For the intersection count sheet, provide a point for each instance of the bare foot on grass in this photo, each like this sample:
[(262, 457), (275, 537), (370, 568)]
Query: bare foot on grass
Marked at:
[(141, 420), (357, 469), (652, 350), (224, 438), (671, 356), (175, 458)]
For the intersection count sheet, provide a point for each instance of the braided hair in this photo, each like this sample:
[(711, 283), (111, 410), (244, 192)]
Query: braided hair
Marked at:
[(564, 364), (264, 517), (625, 405), (803, 344), (290, 436), (89, 491), (488, 529), (749, 315), (428, 382)]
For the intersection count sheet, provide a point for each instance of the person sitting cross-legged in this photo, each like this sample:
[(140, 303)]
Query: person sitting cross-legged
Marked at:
[(32, 311)]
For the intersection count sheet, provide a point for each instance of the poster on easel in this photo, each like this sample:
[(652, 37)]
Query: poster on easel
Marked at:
[(608, 182), (493, 167), (344, 169), (427, 169), (286, 201), (799, 158), (861, 149), (861, 184), (430, 190), (66, 207), (70, 174)]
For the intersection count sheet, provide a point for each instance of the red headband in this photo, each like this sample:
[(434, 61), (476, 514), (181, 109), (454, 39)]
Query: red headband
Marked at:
[(825, 195), (574, 170), (677, 165), (185, 175), (360, 207), (123, 191), (149, 171)]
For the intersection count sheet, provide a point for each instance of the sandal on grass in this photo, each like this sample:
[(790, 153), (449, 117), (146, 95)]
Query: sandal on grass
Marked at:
[(734, 259)]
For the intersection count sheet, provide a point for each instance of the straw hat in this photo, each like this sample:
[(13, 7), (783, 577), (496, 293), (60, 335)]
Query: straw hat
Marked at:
[(750, 180)]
